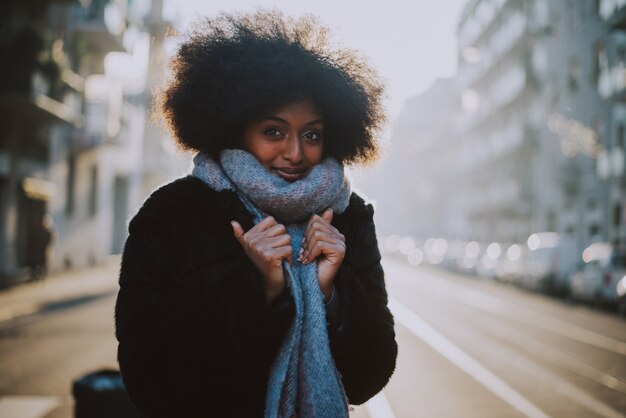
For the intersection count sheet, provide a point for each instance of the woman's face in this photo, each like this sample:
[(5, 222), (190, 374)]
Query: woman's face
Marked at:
[(288, 142)]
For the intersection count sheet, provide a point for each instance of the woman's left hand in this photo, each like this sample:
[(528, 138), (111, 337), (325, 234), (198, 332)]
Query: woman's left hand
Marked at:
[(324, 242)]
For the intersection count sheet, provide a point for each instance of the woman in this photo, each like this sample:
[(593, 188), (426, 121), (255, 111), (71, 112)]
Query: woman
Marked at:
[(253, 287)]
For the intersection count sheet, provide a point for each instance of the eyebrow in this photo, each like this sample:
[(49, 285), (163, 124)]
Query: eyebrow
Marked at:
[(281, 120)]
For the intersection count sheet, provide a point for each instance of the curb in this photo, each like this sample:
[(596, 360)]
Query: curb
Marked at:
[(60, 288)]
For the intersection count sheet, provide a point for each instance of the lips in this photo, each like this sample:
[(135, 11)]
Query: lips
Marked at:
[(289, 174)]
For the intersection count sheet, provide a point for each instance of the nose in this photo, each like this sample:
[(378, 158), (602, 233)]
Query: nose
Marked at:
[(293, 149)]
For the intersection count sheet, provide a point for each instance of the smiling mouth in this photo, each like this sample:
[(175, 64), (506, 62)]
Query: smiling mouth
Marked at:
[(289, 174)]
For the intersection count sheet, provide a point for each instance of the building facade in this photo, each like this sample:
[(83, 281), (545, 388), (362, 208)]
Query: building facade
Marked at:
[(537, 137), (72, 131)]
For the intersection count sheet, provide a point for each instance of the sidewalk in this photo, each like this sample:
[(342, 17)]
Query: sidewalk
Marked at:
[(59, 287)]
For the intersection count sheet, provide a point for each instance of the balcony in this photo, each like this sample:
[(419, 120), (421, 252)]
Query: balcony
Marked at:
[(39, 109), (496, 97), (101, 26), (612, 83), (494, 50), (31, 92), (613, 12), (482, 17)]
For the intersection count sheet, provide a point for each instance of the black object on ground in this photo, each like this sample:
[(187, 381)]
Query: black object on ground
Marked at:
[(101, 394)]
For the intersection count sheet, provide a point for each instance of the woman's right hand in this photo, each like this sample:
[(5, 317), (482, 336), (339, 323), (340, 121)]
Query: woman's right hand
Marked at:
[(267, 244)]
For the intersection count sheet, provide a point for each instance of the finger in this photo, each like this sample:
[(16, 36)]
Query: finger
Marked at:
[(328, 215), (286, 253), (322, 231), (265, 224), (278, 241), (276, 230), (322, 245), (237, 230), (312, 219), (331, 251)]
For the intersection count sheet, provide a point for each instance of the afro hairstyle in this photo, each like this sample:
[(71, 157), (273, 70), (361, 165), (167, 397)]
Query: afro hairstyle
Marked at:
[(233, 68)]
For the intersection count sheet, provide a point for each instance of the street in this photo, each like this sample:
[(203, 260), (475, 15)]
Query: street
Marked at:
[(42, 354), (468, 347)]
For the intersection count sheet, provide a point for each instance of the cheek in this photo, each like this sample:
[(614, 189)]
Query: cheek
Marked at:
[(258, 147), (315, 154)]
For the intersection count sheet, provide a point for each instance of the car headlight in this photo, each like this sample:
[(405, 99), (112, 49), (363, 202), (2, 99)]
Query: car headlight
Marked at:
[(621, 287)]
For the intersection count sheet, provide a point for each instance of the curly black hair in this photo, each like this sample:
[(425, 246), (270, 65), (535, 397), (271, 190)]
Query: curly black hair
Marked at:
[(234, 67)]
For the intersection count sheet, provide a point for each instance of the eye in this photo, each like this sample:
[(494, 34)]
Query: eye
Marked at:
[(273, 132), (312, 136)]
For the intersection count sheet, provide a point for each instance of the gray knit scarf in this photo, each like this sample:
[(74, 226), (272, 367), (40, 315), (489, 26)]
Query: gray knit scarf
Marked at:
[(304, 381)]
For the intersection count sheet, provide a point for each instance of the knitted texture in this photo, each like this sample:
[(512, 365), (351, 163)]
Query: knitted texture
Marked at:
[(303, 381)]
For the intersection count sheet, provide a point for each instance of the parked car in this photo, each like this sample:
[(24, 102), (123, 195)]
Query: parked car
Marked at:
[(472, 252), (621, 296), (597, 278), (551, 261), (490, 260), (513, 266)]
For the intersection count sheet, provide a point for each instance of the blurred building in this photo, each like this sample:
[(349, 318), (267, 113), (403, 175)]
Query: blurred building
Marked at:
[(571, 196), (423, 149), (75, 101), (500, 68), (535, 123), (609, 67)]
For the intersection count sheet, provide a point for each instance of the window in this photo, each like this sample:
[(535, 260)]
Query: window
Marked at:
[(592, 204), (93, 192), (600, 63), (70, 185), (551, 220), (573, 79)]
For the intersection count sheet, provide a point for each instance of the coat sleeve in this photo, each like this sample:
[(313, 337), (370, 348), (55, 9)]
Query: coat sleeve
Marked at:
[(362, 333), (192, 325)]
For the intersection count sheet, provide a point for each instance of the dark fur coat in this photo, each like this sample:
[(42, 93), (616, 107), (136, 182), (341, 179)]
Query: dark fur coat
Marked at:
[(196, 337)]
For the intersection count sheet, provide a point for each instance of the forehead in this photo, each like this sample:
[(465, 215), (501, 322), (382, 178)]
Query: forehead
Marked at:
[(304, 110)]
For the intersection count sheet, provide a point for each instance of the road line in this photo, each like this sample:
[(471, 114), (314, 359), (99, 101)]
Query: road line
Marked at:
[(525, 364), (458, 357), (27, 406), (562, 359), (492, 304), (379, 407)]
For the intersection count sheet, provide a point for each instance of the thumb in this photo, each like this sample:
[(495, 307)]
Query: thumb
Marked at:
[(328, 215), (237, 230)]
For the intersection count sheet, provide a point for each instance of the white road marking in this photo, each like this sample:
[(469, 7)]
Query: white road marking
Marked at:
[(561, 358), (494, 305), (525, 365), (379, 407), (458, 357), (501, 307), (27, 406)]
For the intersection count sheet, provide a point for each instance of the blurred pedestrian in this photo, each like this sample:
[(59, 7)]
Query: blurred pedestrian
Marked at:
[(253, 286), (39, 247)]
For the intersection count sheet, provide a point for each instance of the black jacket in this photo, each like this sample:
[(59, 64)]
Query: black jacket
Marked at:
[(196, 337)]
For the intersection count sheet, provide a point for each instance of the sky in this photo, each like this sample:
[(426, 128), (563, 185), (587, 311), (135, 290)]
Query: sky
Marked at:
[(409, 42)]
